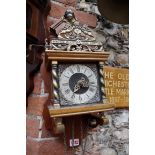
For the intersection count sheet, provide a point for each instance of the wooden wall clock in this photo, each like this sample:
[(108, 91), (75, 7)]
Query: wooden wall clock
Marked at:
[(76, 61), (78, 82)]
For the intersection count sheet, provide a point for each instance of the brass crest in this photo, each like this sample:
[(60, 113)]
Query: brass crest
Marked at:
[(73, 36)]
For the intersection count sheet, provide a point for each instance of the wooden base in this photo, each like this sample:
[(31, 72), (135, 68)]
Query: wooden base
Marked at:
[(79, 110)]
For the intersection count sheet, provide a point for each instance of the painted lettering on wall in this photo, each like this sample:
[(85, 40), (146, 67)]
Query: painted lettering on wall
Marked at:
[(116, 86)]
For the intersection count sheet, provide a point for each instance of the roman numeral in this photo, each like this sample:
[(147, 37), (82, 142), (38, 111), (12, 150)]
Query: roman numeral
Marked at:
[(73, 96), (78, 68), (67, 91), (87, 95), (92, 84), (71, 71), (85, 70), (89, 75), (65, 84), (66, 76), (80, 98), (91, 89)]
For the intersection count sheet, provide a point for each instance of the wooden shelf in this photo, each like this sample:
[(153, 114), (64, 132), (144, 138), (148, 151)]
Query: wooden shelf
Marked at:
[(79, 110), (76, 56)]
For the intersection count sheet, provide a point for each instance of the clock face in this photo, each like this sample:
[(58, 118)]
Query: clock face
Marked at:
[(78, 84)]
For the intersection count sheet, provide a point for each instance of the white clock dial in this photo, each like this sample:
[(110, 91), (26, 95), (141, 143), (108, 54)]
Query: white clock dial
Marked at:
[(78, 83)]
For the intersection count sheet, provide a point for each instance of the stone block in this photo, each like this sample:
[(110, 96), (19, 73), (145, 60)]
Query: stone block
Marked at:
[(122, 59), (122, 134), (108, 151)]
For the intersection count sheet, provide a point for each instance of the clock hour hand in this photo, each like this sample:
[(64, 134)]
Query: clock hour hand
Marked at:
[(76, 88)]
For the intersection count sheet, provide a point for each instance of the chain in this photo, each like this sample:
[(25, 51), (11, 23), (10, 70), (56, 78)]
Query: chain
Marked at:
[(65, 144), (73, 136), (82, 135), (85, 139)]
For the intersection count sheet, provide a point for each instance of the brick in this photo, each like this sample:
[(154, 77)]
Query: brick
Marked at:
[(32, 127), (57, 11), (46, 133), (51, 20), (86, 18), (37, 83), (45, 147), (46, 75), (122, 58), (68, 2), (43, 77), (36, 104)]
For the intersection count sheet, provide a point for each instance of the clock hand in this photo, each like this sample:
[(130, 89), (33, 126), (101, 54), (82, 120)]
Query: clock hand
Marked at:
[(84, 83), (76, 88), (81, 83)]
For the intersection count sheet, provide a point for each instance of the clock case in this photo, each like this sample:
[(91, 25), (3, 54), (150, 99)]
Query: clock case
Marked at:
[(53, 58), (73, 43)]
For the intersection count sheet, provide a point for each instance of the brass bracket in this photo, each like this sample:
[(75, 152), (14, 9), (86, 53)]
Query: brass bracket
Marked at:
[(59, 127)]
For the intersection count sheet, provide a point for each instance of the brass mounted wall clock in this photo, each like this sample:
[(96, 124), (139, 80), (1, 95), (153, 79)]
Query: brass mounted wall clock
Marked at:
[(76, 60)]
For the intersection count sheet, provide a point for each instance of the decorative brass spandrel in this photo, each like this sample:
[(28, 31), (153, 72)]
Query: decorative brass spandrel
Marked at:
[(116, 86)]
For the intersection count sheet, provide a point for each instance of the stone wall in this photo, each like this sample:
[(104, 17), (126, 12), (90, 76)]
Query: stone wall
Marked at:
[(111, 139)]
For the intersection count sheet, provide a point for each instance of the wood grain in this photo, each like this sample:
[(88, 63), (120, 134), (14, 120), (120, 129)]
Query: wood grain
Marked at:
[(74, 56), (78, 110)]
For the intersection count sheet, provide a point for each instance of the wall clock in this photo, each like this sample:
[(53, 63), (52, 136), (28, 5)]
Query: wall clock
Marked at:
[(76, 61), (77, 82)]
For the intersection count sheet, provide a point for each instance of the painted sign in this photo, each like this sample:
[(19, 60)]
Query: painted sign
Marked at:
[(117, 86)]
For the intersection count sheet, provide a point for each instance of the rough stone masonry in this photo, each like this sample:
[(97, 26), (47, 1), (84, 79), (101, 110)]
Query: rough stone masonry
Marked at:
[(111, 139)]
